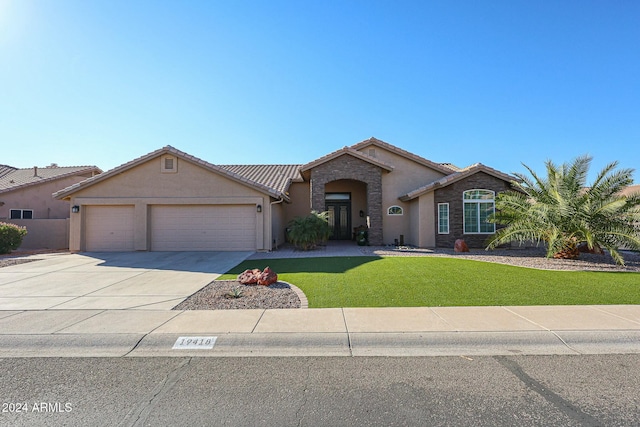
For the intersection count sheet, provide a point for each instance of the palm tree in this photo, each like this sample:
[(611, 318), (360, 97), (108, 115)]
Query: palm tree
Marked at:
[(306, 232), (563, 212)]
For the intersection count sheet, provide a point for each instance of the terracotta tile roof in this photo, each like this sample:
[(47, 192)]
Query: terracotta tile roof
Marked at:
[(349, 151), (18, 178), (401, 152), (274, 192), (456, 176), (452, 167), (277, 177), (229, 173), (4, 169)]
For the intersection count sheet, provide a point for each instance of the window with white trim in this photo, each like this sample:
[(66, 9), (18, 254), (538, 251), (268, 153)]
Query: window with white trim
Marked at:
[(443, 218), (395, 210), (21, 214), (478, 205)]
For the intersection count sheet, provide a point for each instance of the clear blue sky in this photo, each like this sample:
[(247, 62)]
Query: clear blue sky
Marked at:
[(268, 81)]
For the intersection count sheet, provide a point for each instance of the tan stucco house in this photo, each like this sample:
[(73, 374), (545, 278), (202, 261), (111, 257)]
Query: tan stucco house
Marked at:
[(169, 200), (25, 199)]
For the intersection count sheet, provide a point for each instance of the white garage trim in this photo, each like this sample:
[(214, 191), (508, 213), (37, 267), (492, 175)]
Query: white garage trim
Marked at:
[(203, 227), (109, 228)]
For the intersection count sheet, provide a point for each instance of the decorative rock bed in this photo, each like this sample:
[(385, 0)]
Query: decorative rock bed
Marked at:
[(216, 296), (520, 257), (8, 262)]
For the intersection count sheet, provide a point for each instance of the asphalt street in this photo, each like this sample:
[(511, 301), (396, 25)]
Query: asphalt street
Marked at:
[(575, 390)]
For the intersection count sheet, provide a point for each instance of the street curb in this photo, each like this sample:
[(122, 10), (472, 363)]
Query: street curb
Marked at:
[(422, 344)]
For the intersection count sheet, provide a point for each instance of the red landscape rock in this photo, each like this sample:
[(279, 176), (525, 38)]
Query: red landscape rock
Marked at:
[(255, 276), (460, 246), (249, 277), (268, 277)]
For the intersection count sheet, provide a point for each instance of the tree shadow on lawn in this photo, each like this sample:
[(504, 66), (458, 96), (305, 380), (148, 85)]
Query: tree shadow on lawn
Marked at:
[(305, 265)]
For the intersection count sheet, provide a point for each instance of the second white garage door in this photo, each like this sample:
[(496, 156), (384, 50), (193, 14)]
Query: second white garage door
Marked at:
[(203, 228)]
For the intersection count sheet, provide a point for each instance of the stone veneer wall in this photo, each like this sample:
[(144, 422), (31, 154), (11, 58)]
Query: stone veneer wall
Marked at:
[(349, 167), (452, 194)]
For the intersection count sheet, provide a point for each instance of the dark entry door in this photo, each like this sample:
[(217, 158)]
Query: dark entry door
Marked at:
[(339, 220)]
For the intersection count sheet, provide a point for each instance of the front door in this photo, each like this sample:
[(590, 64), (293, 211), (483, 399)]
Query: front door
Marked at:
[(339, 220)]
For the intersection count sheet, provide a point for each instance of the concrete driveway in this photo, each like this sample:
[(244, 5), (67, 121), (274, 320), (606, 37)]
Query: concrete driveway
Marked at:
[(111, 281)]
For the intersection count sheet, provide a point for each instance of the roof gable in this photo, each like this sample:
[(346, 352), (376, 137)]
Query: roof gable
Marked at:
[(228, 173), (400, 152), (455, 177), (349, 151)]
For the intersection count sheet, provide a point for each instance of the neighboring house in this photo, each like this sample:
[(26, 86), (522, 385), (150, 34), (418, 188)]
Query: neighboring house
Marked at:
[(632, 189), (169, 200), (25, 199)]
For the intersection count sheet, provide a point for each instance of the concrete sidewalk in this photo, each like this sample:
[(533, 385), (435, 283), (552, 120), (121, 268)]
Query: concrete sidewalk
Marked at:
[(413, 331)]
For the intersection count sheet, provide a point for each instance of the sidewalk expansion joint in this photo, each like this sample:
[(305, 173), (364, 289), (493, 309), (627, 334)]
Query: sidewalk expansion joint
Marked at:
[(115, 283), (59, 331), (613, 314), (258, 321)]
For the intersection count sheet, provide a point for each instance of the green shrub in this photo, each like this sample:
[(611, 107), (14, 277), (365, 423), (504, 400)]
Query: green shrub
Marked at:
[(306, 232), (11, 236)]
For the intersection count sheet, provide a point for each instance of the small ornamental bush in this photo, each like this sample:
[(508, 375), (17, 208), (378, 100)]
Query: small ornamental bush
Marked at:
[(11, 236), (306, 232)]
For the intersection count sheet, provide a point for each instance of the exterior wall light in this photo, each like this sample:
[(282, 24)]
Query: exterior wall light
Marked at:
[(75, 209), (259, 208)]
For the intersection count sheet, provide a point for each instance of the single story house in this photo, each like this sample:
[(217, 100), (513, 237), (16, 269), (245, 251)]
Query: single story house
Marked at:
[(169, 200), (25, 199)]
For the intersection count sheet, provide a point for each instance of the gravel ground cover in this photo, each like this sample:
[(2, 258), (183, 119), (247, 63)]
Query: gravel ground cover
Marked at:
[(215, 296), (526, 257), (6, 262), (15, 257)]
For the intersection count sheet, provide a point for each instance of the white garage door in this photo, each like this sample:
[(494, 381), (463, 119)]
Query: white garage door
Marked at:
[(203, 228), (109, 228)]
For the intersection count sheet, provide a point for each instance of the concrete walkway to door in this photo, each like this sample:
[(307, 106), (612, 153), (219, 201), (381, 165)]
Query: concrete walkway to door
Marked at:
[(111, 281)]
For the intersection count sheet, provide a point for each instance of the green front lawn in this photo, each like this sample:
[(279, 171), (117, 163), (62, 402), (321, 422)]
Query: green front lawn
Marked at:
[(426, 281)]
